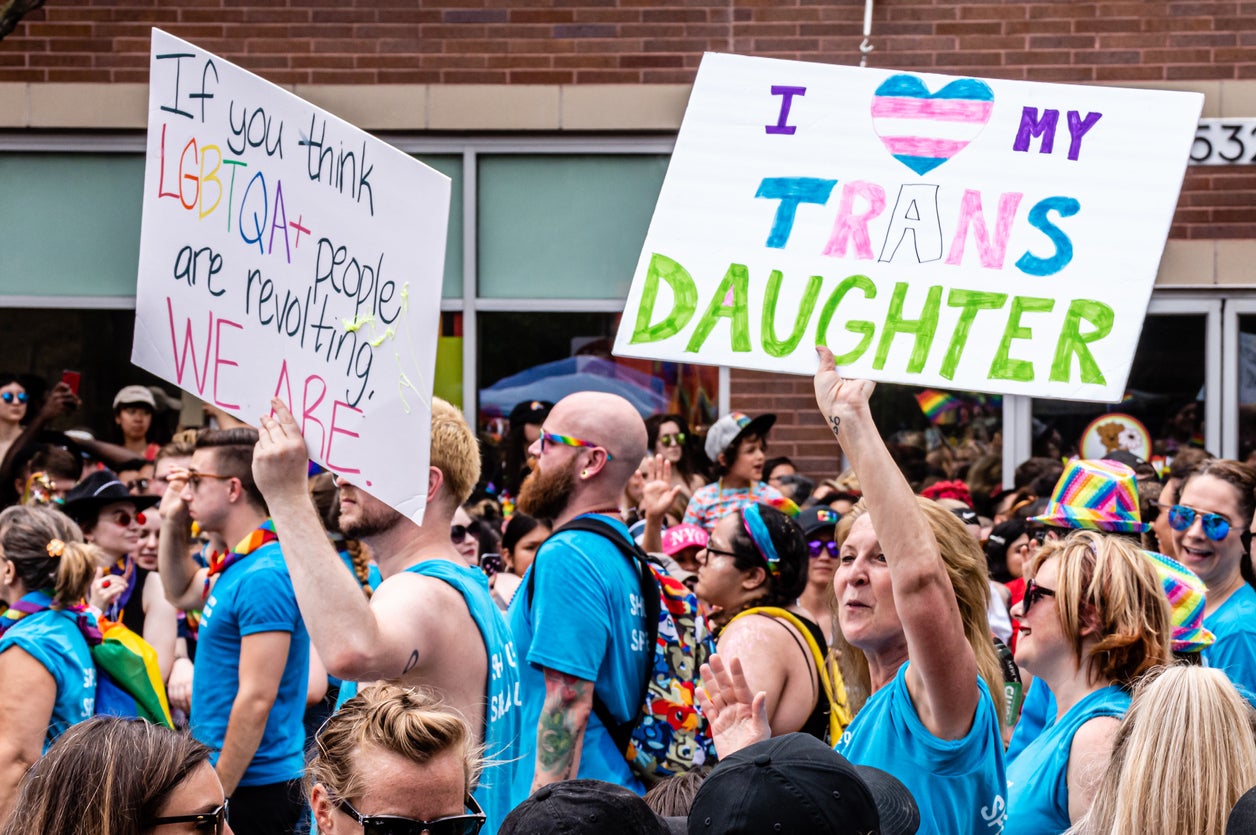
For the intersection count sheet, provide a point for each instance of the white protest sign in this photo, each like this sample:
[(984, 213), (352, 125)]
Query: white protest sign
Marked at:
[(962, 233), (286, 253)]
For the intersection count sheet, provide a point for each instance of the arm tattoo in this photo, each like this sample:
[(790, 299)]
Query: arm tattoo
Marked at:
[(835, 422), (561, 725), (412, 663)]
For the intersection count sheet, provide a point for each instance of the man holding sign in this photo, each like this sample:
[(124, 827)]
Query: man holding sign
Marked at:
[(432, 622)]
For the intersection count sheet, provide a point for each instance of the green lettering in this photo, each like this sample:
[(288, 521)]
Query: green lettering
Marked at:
[(1073, 341), (971, 301), (777, 347), (859, 326), (684, 300), (736, 281), (1004, 367), (923, 328)]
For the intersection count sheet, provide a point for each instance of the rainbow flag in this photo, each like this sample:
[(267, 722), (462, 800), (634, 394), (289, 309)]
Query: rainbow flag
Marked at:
[(129, 681), (936, 404)]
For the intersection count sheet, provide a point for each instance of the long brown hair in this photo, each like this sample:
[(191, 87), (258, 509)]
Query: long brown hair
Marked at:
[(966, 568), (28, 534), (105, 776)]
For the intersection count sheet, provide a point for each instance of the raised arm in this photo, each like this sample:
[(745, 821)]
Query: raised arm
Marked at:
[(356, 639), (942, 677), (181, 577)]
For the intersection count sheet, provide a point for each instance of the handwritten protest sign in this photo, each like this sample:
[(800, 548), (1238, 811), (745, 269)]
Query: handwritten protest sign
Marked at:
[(959, 233), (286, 253)]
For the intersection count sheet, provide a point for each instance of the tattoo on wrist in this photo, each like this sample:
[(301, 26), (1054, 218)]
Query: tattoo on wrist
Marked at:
[(834, 422)]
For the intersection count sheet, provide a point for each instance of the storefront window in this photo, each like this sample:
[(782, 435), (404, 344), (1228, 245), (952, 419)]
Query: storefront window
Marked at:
[(1247, 388), (526, 357), (1161, 413)]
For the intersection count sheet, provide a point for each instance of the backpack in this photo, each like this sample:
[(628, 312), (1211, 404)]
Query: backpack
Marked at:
[(128, 678), (669, 735), (832, 687)]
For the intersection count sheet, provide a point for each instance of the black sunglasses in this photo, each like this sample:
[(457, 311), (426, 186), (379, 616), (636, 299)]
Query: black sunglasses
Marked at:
[(457, 533), (816, 546), (1034, 593), (210, 823), (9, 397), (468, 824)]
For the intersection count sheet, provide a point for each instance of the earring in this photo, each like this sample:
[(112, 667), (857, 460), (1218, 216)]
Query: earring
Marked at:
[(584, 473)]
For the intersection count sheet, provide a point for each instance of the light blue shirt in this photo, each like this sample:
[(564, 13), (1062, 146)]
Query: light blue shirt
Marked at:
[(586, 618), (1234, 651), (52, 638), (1039, 709), (1037, 780), (252, 596), (501, 732), (959, 784)]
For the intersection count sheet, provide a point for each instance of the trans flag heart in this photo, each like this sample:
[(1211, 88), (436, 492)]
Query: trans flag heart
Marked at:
[(922, 130)]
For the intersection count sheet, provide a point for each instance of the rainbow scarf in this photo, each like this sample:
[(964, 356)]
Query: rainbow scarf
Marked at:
[(263, 534), (38, 601)]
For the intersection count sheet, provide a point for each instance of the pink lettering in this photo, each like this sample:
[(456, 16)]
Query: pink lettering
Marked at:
[(990, 252), (850, 225)]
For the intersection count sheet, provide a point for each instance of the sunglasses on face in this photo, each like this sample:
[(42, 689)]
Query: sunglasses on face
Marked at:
[(137, 484), (457, 533), (209, 823), (674, 439), (195, 479), (124, 518), (707, 551), (468, 824), (1216, 527), (816, 546), (1034, 593), (548, 438), (9, 397)]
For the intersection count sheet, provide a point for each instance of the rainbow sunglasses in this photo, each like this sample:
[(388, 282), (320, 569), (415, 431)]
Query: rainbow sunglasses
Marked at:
[(567, 440)]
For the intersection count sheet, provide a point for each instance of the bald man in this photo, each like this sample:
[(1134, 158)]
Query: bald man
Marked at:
[(579, 617)]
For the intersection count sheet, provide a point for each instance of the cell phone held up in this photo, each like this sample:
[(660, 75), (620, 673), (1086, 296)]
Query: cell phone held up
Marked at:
[(491, 564), (71, 379)]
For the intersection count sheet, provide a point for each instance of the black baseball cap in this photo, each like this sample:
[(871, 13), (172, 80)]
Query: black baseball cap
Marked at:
[(1242, 820), (796, 783), (585, 807), (817, 518)]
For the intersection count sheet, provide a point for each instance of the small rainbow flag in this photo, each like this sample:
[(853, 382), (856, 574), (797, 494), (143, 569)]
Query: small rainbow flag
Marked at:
[(936, 404)]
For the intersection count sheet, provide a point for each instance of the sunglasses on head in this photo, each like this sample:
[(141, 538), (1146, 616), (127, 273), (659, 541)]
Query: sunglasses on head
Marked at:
[(1216, 527), (466, 824), (9, 397), (124, 518), (673, 439), (1034, 593), (816, 546), (209, 823), (457, 533)]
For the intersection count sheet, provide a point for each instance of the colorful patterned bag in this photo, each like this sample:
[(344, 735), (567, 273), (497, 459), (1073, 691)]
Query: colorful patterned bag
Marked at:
[(669, 735)]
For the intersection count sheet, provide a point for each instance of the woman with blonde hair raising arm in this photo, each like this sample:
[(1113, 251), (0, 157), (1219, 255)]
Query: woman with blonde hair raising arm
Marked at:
[(911, 595)]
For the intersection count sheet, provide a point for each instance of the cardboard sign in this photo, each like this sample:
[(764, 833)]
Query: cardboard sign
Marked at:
[(286, 253), (959, 233)]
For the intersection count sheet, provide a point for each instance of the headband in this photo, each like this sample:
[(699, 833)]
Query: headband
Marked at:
[(758, 531)]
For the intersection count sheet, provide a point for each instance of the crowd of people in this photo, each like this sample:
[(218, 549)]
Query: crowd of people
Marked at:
[(618, 625)]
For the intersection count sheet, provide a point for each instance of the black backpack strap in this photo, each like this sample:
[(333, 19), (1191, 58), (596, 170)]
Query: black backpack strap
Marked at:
[(621, 732)]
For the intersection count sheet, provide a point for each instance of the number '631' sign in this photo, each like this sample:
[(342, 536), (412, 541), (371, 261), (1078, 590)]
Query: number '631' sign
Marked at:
[(1225, 142)]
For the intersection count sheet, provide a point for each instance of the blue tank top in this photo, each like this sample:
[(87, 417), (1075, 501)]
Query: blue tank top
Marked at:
[(503, 709), (1037, 780), (959, 784), (52, 638)]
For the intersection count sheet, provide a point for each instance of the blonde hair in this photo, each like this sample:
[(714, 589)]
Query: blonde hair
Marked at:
[(966, 568), (455, 450), (28, 535), (1106, 582), (409, 723), (1183, 756)]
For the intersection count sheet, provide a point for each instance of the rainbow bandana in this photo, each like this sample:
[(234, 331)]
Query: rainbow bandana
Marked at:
[(1096, 496), (1186, 600), (263, 534), (38, 601), (759, 535)]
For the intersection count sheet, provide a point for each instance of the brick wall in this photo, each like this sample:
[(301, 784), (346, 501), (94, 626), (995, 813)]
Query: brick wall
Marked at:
[(799, 433), (636, 41)]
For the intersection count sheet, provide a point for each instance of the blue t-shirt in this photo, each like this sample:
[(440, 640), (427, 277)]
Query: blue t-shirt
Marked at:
[(1038, 709), (585, 618), (501, 718), (52, 638), (252, 596), (1037, 780), (1234, 651), (959, 784)]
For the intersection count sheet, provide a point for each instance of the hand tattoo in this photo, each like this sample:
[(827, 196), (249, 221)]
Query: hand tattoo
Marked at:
[(835, 422)]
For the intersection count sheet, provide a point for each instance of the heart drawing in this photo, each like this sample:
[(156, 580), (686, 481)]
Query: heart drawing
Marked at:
[(922, 130)]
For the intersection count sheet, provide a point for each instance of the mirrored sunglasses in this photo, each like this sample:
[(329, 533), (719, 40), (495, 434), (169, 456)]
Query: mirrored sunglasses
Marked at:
[(672, 439), (1216, 527), (9, 397)]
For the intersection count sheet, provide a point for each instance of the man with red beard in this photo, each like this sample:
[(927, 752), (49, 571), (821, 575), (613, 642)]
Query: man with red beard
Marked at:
[(579, 617), (432, 622)]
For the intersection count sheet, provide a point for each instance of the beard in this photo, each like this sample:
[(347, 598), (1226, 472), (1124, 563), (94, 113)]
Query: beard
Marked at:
[(368, 517), (545, 493)]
